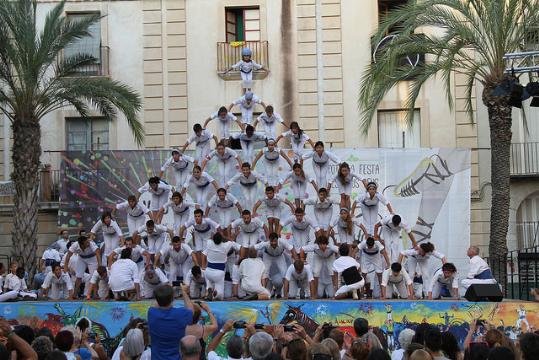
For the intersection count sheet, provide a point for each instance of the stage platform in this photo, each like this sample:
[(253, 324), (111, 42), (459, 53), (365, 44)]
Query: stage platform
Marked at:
[(110, 318)]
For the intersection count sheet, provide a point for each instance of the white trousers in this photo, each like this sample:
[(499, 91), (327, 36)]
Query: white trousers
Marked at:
[(271, 171), (133, 223), (278, 261), (9, 295), (392, 243), (215, 279), (370, 217), (466, 283), (299, 189), (157, 201), (179, 220), (246, 113), (81, 265), (225, 170), (347, 288), (323, 217), (201, 194), (179, 270), (322, 264), (295, 288), (247, 148), (224, 216), (299, 238), (180, 176), (247, 240), (399, 288), (270, 130), (321, 174), (202, 150), (249, 196)]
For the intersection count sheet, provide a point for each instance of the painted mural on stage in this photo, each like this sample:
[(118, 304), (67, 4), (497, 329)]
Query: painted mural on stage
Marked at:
[(109, 319)]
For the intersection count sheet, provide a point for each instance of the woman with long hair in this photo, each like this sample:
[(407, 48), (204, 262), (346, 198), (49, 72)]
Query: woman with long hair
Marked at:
[(344, 179)]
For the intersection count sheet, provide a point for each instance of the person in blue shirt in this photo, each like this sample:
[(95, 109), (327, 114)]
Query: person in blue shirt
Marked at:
[(166, 323)]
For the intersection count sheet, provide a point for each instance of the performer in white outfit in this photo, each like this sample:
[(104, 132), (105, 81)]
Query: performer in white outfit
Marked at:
[(139, 255), (248, 183), (196, 281), (15, 286), (369, 202), (271, 156), (251, 272), (149, 280), (179, 258), (200, 184), (57, 284), (226, 160), (297, 140), (298, 181), (346, 227), (247, 142), (396, 280), (159, 191), (246, 66), (224, 120), (203, 230), (88, 256), (300, 225), (321, 160), (181, 210), (180, 164), (417, 263), (248, 231), (99, 282), (269, 120), (273, 254), (323, 258), (348, 270), (322, 209), (373, 257), (202, 139), (136, 213), (273, 206), (124, 277), (61, 243), (215, 256), (522, 318), (50, 256), (154, 236), (112, 234), (389, 230), (299, 281), (345, 181), (444, 283), (223, 208), (247, 105), (479, 272)]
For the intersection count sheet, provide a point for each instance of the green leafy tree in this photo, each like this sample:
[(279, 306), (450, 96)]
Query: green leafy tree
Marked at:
[(469, 37), (36, 79)]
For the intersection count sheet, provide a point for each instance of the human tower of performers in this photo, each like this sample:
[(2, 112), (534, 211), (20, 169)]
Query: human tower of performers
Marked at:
[(221, 247)]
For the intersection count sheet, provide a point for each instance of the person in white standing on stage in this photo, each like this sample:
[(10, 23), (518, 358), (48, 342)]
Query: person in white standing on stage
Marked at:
[(136, 213), (88, 256), (203, 230), (247, 180), (226, 159), (298, 181), (202, 139), (200, 184), (247, 105), (300, 225), (215, 258), (180, 164), (224, 207), (369, 203), (180, 259), (159, 191), (373, 258), (345, 181), (322, 263), (273, 254), (112, 234), (271, 155), (181, 210), (389, 230), (273, 206), (321, 160)]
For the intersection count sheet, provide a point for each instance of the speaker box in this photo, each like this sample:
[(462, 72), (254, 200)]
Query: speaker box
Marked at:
[(484, 292)]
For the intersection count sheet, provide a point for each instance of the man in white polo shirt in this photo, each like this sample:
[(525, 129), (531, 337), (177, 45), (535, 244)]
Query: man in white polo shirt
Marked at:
[(124, 277), (396, 279)]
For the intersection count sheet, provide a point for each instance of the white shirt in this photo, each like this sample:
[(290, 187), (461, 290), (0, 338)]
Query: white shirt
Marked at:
[(89, 250), (123, 275), (321, 205), (51, 254), (414, 253), (268, 120), (111, 229), (161, 188), (366, 200), (387, 277), (386, 223), (255, 225), (57, 284), (147, 288), (298, 140), (242, 102), (292, 177), (176, 257), (305, 275), (62, 245), (229, 201), (190, 278), (365, 250), (450, 282), (251, 271), (203, 225), (204, 137), (349, 178), (13, 282), (238, 177), (229, 154), (179, 165), (219, 253), (155, 240), (282, 245), (331, 156), (477, 266), (330, 250), (139, 209), (228, 118), (343, 263), (301, 226), (204, 180), (103, 281)]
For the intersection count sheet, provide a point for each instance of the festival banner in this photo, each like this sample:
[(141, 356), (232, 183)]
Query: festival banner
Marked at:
[(109, 319)]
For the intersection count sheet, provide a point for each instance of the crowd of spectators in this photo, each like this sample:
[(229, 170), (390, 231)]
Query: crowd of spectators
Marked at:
[(191, 332)]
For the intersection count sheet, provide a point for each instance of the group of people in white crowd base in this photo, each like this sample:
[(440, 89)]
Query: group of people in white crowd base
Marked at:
[(223, 246)]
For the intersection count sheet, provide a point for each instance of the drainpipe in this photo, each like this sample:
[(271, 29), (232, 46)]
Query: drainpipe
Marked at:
[(6, 147), (320, 71)]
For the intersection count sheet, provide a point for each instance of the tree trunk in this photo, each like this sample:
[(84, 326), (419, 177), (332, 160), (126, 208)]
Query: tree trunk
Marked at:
[(25, 155), (499, 114)]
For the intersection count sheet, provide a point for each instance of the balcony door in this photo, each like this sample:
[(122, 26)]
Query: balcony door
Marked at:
[(242, 24), (89, 45)]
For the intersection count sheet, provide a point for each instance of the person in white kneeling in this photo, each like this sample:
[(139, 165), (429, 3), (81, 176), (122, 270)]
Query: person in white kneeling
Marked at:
[(149, 280), (57, 284), (348, 270), (444, 283), (479, 272), (299, 281), (124, 277), (396, 279), (251, 272)]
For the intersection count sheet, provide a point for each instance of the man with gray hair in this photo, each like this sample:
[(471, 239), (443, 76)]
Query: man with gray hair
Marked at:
[(260, 345), (405, 339), (479, 272), (190, 348)]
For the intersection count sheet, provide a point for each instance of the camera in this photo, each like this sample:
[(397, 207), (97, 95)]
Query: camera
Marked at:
[(240, 324), (289, 328), (326, 329), (480, 322), (177, 283)]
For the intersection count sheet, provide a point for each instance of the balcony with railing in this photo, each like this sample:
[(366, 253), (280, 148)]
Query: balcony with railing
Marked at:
[(229, 53), (100, 67), (525, 159), (527, 234)]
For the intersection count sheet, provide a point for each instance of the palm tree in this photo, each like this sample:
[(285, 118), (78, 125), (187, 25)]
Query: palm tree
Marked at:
[(471, 38), (34, 81)]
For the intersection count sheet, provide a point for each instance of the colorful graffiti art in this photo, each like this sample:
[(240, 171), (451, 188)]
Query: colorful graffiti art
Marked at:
[(109, 319)]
